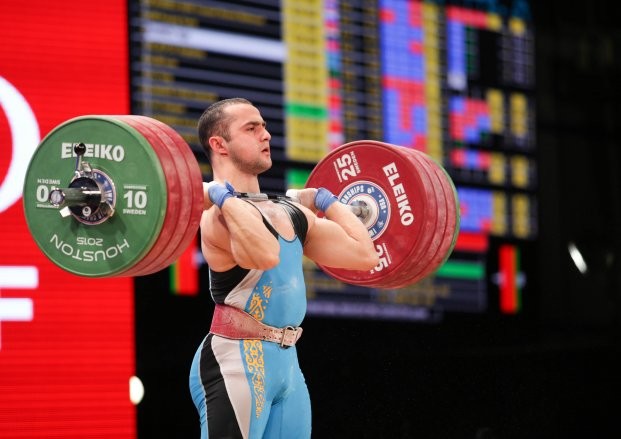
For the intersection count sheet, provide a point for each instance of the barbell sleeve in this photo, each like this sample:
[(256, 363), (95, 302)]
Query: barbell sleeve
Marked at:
[(74, 196)]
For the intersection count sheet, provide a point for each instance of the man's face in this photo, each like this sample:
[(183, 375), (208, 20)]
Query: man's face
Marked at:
[(249, 144)]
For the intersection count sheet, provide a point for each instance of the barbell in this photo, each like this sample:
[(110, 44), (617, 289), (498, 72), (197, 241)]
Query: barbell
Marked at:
[(123, 196)]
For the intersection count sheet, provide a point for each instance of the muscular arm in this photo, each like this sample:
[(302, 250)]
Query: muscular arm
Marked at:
[(339, 240), (236, 235)]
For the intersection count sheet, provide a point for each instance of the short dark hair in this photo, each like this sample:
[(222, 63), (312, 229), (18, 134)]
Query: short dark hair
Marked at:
[(215, 122)]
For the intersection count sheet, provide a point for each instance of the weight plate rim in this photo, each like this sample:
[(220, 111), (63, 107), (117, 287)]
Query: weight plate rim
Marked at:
[(440, 207), (451, 232), (453, 214), (435, 263), (173, 210), (176, 219), (162, 259), (412, 273), (453, 202), (195, 177), (436, 237), (192, 199)]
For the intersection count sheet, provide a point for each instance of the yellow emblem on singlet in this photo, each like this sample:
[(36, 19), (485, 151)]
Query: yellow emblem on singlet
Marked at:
[(258, 301), (253, 351)]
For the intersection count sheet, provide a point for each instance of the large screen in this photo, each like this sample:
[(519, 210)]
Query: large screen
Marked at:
[(66, 343), (453, 79)]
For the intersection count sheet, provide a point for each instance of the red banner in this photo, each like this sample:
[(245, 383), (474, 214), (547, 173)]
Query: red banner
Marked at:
[(66, 343)]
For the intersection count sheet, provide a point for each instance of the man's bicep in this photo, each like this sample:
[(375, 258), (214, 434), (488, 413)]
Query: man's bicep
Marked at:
[(326, 243), (216, 244)]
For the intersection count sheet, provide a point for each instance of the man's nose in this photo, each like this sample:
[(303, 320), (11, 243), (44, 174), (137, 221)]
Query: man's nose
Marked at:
[(266, 135)]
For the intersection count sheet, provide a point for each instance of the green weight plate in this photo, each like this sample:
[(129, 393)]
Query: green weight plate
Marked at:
[(124, 155)]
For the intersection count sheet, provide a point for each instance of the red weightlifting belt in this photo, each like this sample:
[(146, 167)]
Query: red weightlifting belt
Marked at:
[(231, 322)]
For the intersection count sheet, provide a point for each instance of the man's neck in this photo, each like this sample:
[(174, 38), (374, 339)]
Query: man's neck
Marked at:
[(241, 182)]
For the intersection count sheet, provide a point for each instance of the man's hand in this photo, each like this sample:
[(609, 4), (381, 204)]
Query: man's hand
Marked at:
[(306, 197), (216, 193), (324, 199), (314, 199)]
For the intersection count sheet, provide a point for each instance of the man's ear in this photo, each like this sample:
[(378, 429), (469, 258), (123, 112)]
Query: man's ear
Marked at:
[(217, 145)]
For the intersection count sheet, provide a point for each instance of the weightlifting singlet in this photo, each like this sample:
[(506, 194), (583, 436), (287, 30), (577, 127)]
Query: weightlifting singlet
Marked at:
[(252, 388)]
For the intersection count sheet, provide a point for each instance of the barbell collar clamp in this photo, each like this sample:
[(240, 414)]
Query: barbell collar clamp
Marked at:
[(82, 168)]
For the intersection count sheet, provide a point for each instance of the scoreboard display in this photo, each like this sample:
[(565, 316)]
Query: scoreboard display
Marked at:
[(454, 79)]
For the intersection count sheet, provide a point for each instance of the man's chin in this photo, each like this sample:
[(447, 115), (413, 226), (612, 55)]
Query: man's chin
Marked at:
[(265, 166)]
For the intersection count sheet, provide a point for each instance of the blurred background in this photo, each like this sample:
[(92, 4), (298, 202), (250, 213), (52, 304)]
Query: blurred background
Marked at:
[(516, 335)]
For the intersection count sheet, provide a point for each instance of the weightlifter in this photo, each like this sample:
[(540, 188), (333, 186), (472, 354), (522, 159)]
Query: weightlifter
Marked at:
[(245, 379)]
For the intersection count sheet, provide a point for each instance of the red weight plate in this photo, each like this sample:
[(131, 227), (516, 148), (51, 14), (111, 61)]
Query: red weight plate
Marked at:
[(418, 262), (452, 203), (174, 206), (193, 181), (190, 211), (193, 195), (173, 217), (377, 173), (414, 271), (166, 254), (434, 256)]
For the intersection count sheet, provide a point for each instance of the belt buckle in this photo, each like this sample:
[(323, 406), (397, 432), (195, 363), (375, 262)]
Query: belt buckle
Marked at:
[(284, 334)]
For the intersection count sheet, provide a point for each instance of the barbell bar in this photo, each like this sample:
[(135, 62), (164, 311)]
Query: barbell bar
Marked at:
[(83, 194), (134, 200)]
